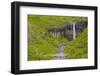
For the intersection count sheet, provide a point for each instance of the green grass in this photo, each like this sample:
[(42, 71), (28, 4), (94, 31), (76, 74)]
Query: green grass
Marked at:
[(78, 48), (42, 46), (44, 49)]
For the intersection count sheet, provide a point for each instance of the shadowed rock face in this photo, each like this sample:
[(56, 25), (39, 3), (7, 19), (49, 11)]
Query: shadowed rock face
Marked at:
[(67, 31)]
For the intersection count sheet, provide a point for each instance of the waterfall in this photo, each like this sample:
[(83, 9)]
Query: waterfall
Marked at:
[(74, 31)]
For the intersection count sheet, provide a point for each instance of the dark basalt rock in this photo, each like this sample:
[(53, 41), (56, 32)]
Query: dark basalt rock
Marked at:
[(67, 30)]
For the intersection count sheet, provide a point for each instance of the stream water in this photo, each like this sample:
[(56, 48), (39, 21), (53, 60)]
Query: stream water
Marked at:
[(60, 52)]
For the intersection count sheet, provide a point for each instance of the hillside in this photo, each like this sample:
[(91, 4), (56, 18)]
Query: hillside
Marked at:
[(42, 46)]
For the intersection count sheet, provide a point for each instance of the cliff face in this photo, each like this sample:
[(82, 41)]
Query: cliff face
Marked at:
[(70, 31)]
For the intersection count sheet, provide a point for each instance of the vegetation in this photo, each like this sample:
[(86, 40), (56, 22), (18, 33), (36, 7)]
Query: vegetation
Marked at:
[(42, 46), (77, 48)]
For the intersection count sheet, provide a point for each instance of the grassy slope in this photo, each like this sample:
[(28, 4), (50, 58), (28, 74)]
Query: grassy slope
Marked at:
[(41, 46), (78, 47)]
